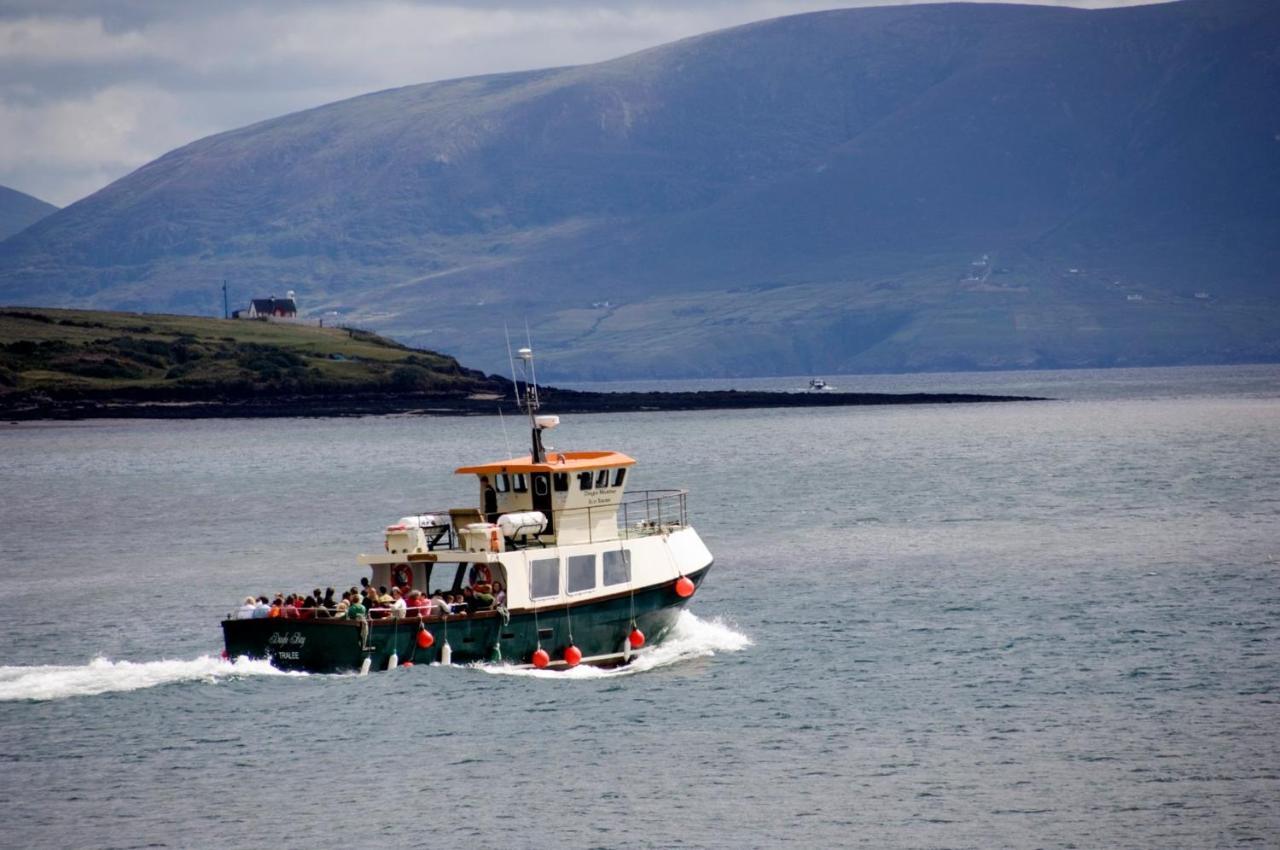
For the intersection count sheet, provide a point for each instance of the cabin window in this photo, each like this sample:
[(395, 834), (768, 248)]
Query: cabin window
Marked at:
[(540, 487), (617, 566), (580, 573), (584, 480), (602, 479), (519, 483), (501, 482), (544, 578), (560, 481), (618, 475)]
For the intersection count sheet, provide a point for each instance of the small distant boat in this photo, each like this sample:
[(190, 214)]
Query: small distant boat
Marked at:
[(817, 385), (590, 575)]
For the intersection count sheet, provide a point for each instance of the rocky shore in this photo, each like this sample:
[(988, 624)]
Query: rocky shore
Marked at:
[(37, 407)]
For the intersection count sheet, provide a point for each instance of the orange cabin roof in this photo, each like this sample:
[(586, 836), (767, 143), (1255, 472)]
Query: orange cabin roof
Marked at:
[(556, 462)]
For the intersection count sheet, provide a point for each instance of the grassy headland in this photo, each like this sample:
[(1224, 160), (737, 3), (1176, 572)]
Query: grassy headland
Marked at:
[(79, 364), (66, 360)]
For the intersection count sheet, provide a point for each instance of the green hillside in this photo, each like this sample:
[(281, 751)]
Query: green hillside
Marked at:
[(92, 354)]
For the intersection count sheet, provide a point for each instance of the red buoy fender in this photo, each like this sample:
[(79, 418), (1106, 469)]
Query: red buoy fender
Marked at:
[(572, 655), (684, 587), (540, 658), (636, 638), (425, 639)]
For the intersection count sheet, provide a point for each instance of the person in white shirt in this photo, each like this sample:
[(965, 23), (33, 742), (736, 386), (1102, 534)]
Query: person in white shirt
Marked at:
[(246, 610), (398, 606)]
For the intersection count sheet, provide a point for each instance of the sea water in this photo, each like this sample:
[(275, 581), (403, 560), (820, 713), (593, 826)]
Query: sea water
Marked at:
[(997, 625)]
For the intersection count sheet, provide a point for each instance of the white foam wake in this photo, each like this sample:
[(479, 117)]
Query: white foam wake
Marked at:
[(101, 676), (690, 638)]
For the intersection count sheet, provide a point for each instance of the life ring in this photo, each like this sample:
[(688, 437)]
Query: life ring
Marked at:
[(401, 575)]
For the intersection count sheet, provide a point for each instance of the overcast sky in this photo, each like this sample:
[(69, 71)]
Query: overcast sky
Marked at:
[(92, 89)]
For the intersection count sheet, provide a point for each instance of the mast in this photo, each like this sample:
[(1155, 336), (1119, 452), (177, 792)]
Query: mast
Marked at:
[(537, 424)]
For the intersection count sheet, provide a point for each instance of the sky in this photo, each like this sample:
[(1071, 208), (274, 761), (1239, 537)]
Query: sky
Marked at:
[(92, 89)]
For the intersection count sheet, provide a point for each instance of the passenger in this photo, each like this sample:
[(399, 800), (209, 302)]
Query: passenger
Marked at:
[(469, 599), (340, 610), (247, 609), (484, 599), (488, 500), (328, 601), (439, 607), (417, 604), (356, 610), (398, 606), (499, 594), (262, 610), (307, 611), (277, 608), (289, 610)]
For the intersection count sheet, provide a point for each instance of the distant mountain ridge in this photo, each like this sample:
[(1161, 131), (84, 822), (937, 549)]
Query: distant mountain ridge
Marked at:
[(18, 211), (891, 188)]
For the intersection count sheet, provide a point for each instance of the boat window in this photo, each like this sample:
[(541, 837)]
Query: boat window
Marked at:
[(584, 480), (560, 481), (618, 475), (448, 578), (540, 486), (617, 566), (501, 483), (519, 483), (602, 479), (544, 578), (580, 573)]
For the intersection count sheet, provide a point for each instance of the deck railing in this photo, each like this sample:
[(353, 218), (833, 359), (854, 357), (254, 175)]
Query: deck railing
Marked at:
[(640, 513)]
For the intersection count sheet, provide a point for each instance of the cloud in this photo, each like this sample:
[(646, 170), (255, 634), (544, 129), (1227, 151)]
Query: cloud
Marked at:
[(91, 90)]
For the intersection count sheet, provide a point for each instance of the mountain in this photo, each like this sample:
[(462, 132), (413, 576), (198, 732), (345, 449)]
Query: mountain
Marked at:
[(18, 211), (892, 188)]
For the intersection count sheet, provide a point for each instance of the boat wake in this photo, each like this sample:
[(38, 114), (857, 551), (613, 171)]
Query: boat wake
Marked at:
[(101, 676), (690, 638)]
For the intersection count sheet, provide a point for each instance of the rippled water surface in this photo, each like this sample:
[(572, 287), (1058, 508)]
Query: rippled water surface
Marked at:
[(1023, 625)]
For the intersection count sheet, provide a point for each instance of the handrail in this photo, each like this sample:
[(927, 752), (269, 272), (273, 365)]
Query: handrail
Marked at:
[(640, 513)]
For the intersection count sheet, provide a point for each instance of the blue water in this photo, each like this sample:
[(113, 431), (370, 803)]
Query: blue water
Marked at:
[(1028, 625)]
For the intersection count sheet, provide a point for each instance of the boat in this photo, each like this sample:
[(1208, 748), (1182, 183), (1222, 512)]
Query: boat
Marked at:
[(817, 385), (593, 574)]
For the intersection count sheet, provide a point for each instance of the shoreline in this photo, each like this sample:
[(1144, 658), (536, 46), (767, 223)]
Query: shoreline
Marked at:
[(388, 404)]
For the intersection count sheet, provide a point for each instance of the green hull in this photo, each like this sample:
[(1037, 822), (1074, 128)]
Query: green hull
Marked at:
[(599, 628)]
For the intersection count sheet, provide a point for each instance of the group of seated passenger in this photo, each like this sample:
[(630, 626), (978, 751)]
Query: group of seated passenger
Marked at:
[(373, 603)]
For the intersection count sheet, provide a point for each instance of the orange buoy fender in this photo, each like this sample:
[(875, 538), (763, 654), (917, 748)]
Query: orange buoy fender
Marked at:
[(425, 639), (684, 587), (636, 638), (494, 542), (540, 658), (572, 655)]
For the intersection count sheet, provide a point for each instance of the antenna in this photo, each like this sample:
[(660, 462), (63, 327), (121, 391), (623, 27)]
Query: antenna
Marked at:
[(506, 439), (511, 360)]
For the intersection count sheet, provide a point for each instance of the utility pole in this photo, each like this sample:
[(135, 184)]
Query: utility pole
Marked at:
[(226, 313)]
